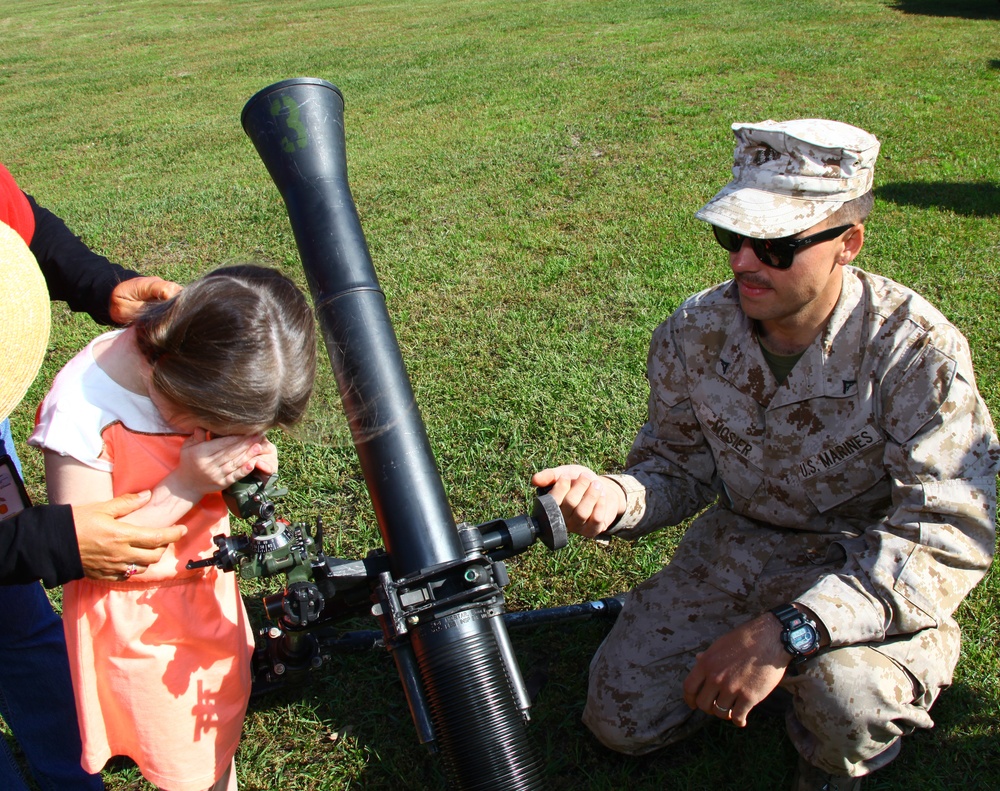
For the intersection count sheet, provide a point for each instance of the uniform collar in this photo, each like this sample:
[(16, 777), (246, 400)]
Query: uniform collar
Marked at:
[(828, 367)]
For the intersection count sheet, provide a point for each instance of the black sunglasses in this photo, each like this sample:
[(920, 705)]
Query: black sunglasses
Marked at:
[(776, 253)]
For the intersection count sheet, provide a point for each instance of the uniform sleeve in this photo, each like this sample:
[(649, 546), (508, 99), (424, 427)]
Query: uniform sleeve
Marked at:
[(73, 272), (670, 474), (39, 543), (912, 570)]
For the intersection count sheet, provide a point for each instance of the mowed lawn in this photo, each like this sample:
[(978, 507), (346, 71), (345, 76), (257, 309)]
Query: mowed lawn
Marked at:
[(526, 175)]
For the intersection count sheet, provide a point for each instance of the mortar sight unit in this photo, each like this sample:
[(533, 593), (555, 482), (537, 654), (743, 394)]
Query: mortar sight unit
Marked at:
[(321, 590)]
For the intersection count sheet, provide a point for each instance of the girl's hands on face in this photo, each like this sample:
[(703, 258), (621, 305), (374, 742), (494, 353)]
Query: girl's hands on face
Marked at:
[(267, 460), (212, 464)]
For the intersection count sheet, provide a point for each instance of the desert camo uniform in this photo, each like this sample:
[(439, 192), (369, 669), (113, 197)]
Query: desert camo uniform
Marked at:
[(863, 487)]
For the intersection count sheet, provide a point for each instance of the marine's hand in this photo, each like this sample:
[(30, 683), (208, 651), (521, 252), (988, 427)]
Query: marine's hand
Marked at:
[(738, 670), (129, 296), (108, 546), (590, 503)]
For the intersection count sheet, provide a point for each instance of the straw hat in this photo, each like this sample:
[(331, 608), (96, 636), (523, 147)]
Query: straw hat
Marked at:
[(24, 319)]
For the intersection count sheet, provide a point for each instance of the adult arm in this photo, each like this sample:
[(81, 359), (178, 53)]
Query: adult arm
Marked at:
[(86, 281), (74, 273), (908, 571), (59, 543), (670, 472), (911, 570), (39, 543)]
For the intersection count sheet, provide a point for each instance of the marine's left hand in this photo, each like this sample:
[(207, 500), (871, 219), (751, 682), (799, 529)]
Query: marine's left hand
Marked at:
[(129, 296), (738, 670)]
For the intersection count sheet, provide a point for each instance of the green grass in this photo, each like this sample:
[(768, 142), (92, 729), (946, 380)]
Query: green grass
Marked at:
[(526, 175)]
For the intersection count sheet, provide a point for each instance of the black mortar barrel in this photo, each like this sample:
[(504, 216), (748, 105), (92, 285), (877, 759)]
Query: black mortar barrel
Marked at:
[(297, 127)]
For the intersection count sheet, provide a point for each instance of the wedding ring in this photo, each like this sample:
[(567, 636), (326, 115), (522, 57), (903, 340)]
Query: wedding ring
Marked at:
[(721, 710), (130, 570)]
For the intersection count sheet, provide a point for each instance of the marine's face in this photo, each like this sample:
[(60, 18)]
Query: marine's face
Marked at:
[(805, 293)]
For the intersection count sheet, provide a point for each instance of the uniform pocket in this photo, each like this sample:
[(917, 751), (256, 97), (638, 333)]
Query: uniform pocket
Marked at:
[(844, 473)]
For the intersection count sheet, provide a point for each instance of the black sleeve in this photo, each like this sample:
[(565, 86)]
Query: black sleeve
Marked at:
[(73, 272), (39, 543)]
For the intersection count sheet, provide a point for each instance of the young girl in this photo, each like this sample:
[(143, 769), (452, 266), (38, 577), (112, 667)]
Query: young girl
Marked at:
[(177, 403)]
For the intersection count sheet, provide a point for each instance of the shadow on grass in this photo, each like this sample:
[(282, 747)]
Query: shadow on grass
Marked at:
[(361, 691), (969, 9), (972, 199), (349, 720)]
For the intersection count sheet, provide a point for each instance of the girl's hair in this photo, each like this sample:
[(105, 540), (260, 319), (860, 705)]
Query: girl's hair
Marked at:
[(236, 349)]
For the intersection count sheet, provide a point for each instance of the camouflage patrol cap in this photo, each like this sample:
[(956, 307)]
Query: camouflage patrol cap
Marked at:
[(790, 175)]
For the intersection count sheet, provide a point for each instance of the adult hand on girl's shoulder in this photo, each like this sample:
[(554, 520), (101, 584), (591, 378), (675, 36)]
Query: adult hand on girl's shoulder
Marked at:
[(111, 549)]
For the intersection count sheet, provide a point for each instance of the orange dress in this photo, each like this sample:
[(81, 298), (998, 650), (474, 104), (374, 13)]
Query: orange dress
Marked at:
[(161, 663)]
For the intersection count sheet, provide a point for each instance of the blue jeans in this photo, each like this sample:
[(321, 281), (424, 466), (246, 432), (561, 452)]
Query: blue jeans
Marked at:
[(36, 694)]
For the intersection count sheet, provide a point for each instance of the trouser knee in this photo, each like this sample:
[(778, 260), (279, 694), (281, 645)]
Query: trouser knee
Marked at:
[(851, 706), (635, 701), (621, 730), (634, 709)]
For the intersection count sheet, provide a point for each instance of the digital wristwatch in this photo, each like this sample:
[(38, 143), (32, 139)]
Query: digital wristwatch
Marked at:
[(799, 633)]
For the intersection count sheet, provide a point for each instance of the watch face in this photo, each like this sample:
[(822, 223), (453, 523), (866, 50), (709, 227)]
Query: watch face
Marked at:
[(803, 639)]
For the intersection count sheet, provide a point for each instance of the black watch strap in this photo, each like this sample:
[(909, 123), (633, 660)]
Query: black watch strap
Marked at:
[(787, 614)]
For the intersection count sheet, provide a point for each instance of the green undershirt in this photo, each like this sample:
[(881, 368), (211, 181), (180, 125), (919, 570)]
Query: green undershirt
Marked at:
[(780, 364)]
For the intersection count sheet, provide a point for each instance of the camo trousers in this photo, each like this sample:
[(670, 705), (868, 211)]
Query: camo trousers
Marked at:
[(850, 704)]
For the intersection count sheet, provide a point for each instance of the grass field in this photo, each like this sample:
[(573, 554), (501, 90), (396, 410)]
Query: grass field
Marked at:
[(526, 174)]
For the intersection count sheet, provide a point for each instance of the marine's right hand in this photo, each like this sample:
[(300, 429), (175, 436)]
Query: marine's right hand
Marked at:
[(109, 546), (589, 503)]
